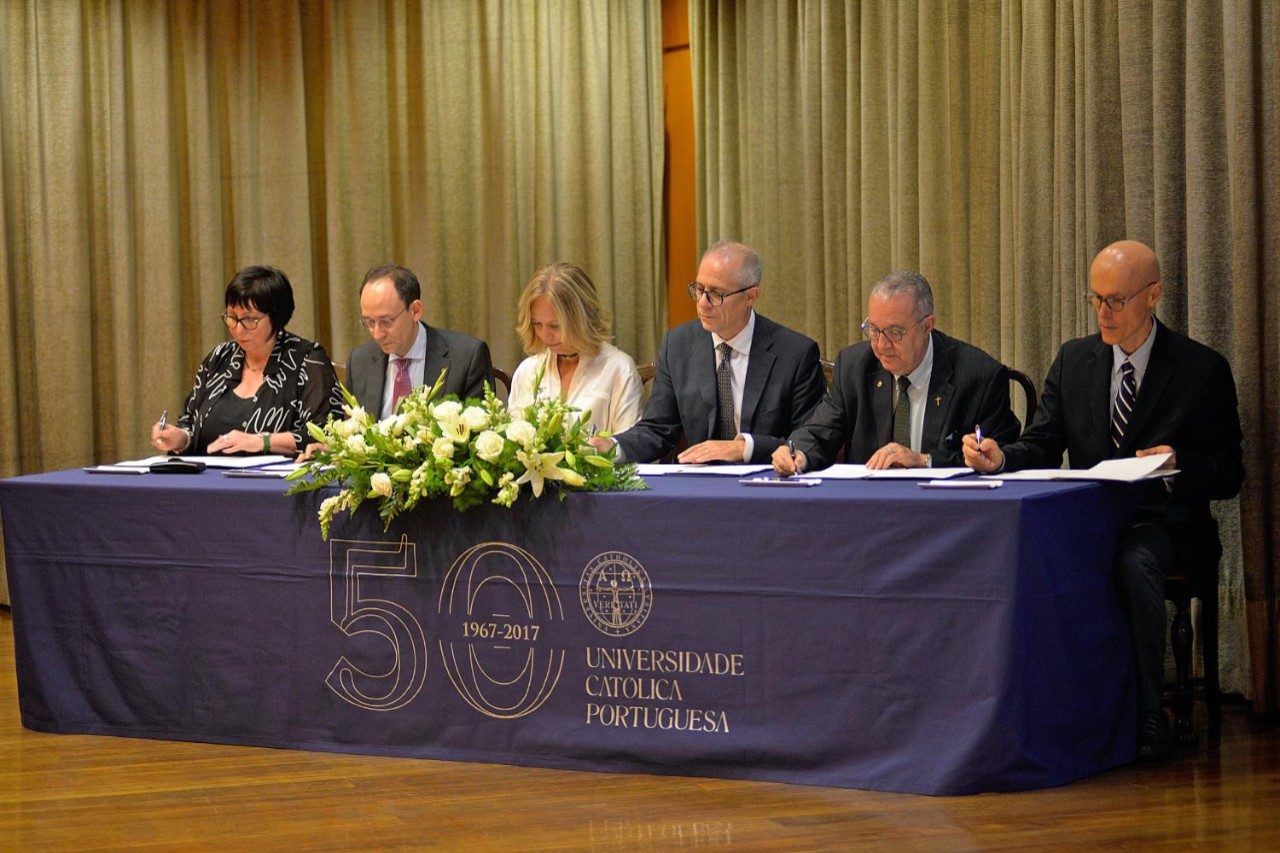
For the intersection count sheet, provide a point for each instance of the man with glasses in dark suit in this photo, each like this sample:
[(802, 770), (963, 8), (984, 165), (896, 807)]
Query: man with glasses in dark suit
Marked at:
[(1134, 389), (905, 397), (406, 352), (734, 382)]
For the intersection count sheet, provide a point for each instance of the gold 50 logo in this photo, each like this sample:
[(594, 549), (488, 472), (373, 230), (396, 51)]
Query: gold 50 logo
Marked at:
[(498, 614), (497, 657)]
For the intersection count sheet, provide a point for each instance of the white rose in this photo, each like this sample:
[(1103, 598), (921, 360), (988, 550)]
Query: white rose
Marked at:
[(356, 445), (475, 418), (521, 432), (448, 410), (442, 448), (489, 445), (381, 484)]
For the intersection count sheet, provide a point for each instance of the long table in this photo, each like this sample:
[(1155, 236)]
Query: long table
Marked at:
[(861, 634)]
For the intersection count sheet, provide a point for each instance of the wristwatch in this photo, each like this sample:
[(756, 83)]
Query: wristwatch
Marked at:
[(266, 442)]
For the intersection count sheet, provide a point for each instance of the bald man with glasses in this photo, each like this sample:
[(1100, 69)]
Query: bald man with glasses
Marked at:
[(905, 397), (1134, 389)]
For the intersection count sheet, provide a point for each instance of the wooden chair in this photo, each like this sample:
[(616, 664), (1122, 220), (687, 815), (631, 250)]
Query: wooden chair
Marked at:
[(1028, 391), (1195, 579), (504, 379), (828, 368)]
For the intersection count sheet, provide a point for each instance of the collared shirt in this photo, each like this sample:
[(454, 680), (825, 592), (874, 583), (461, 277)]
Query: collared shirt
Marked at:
[(918, 393), (739, 356), (1139, 359), (417, 356)]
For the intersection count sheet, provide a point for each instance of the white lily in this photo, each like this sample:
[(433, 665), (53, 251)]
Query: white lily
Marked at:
[(540, 467)]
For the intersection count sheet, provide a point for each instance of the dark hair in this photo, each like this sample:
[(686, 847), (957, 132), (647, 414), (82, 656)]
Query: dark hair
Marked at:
[(405, 281), (265, 288)]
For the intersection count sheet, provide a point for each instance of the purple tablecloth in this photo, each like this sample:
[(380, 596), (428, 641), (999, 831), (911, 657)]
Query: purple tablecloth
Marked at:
[(860, 634)]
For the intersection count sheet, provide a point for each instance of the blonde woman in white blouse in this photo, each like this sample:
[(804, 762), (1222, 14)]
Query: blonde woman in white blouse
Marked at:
[(566, 332)]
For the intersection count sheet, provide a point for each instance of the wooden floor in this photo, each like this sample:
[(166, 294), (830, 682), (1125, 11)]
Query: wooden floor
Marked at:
[(65, 792)]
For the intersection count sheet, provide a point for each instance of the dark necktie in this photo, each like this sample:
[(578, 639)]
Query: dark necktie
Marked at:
[(1123, 409), (902, 414), (726, 426), (403, 385)]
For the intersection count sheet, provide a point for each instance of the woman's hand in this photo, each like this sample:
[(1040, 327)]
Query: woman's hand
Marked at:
[(236, 441), (170, 439)]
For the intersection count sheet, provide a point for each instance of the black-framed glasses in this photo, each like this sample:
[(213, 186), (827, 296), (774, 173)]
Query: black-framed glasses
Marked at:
[(893, 333), (1115, 303), (715, 297), (249, 323), (383, 323)]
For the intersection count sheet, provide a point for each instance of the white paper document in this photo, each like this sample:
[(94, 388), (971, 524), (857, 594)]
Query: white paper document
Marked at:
[(862, 472), (209, 461), (841, 472), (655, 470), (1131, 469), (278, 470), (918, 473)]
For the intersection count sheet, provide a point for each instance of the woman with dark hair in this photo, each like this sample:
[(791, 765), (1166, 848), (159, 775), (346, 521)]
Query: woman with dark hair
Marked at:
[(257, 392)]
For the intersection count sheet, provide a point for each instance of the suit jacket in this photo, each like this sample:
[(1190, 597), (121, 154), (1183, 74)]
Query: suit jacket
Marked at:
[(1187, 400), (784, 382), (467, 359), (967, 387)]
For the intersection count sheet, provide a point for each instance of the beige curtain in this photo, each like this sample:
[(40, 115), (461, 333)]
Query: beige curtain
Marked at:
[(149, 149), (996, 146)]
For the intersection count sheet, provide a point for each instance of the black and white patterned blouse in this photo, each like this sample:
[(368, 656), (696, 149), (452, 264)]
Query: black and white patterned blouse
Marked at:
[(298, 385)]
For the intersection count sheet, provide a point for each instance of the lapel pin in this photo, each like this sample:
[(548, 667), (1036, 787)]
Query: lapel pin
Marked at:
[(937, 401), (879, 383)]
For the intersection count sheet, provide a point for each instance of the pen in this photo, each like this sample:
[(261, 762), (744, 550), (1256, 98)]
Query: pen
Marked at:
[(164, 419), (977, 434), (791, 448)]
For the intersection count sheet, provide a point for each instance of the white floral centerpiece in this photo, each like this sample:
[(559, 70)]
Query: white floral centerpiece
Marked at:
[(473, 451)]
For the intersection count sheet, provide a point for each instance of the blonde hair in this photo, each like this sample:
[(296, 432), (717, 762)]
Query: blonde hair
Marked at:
[(584, 322)]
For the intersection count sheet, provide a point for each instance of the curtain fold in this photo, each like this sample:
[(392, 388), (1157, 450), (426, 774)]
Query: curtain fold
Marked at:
[(149, 149), (996, 146)]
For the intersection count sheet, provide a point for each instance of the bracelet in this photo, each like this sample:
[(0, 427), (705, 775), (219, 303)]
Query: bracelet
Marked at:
[(266, 442)]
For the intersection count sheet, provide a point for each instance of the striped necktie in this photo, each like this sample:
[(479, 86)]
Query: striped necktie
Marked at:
[(1123, 408)]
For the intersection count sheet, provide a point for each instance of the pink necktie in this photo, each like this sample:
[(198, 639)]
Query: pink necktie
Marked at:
[(402, 385)]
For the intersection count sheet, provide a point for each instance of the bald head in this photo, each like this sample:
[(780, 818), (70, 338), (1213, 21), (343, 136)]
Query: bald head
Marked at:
[(1124, 282), (1129, 257)]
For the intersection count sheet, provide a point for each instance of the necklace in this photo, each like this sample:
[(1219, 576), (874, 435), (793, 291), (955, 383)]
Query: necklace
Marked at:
[(573, 357)]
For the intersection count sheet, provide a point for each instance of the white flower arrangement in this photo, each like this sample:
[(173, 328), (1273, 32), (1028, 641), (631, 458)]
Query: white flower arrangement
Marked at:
[(472, 451)]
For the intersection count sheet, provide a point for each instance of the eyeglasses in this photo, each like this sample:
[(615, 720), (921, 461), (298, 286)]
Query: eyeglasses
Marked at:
[(1115, 303), (893, 333), (383, 323), (248, 323), (715, 297)]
